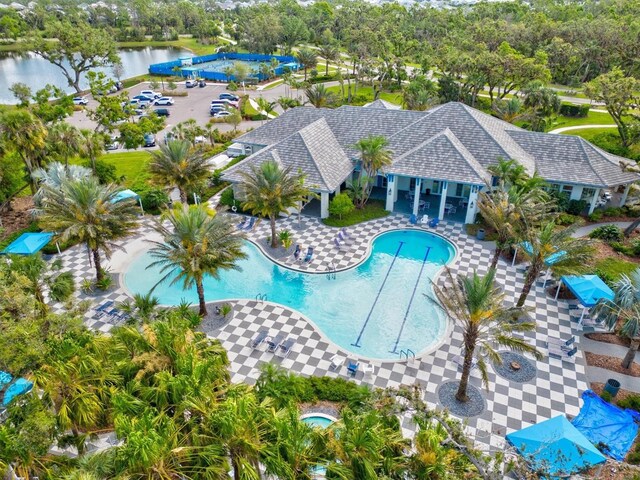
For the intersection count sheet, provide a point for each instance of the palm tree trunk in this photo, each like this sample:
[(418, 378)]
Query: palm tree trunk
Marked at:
[(326, 68), (97, 265), (630, 229), (532, 274), (496, 257), (183, 196), (274, 237), (631, 354), (461, 394), (201, 301)]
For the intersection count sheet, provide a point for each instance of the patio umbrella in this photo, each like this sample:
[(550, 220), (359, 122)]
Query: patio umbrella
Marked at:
[(550, 260), (588, 289), (126, 194), (29, 243)]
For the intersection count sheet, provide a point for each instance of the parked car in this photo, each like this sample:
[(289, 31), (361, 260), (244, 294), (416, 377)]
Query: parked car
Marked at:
[(149, 140), (80, 101), (229, 96), (150, 94), (162, 112), (113, 143), (202, 83), (216, 109), (169, 137), (164, 101), (222, 113), (225, 103), (190, 83)]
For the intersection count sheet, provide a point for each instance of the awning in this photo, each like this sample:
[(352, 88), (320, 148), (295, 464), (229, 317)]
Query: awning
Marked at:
[(125, 195), (28, 243), (555, 448), (588, 289)]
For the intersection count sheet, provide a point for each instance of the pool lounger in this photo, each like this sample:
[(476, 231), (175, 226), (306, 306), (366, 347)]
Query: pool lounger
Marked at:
[(275, 342), (352, 368), (250, 225), (286, 347), (336, 362), (258, 339), (242, 224), (309, 256)]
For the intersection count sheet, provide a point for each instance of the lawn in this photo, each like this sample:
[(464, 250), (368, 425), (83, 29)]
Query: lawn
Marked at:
[(612, 268), (590, 133), (130, 166), (593, 118), (367, 93), (372, 210)]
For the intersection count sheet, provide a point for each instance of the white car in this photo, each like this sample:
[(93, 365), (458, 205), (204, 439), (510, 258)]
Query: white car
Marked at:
[(222, 113), (150, 93), (80, 101), (191, 83), (225, 103), (164, 101)]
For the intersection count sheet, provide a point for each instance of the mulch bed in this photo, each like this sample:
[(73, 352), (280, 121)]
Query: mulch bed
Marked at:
[(18, 217), (611, 363), (471, 408), (622, 394), (609, 338)]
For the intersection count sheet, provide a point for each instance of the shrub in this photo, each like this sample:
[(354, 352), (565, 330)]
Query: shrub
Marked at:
[(567, 219), (606, 396), (232, 87), (635, 247), (622, 248), (285, 237), (63, 287), (595, 216), (562, 200), (608, 233), (154, 199), (106, 172), (630, 401), (576, 207), (573, 110), (341, 205), (227, 198), (613, 212), (106, 281)]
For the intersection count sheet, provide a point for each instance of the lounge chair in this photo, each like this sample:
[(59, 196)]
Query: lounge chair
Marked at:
[(352, 368), (424, 220), (563, 344), (558, 352), (342, 237), (413, 219), (101, 310), (286, 347), (242, 224), (337, 243), (345, 233), (297, 252), (309, 256), (250, 225), (369, 370), (259, 338), (274, 343), (433, 223), (336, 362)]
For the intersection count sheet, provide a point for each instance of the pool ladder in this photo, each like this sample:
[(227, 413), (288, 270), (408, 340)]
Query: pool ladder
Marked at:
[(261, 297), (408, 354), (331, 271)]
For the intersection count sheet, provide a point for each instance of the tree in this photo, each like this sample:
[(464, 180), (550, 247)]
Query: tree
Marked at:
[(51, 104), (77, 49), (177, 164), (307, 58), (330, 52), (234, 119), (196, 244), (341, 205), (85, 211), (92, 146), (22, 92), (476, 303), (109, 112), (543, 102), (240, 72), (620, 96), (420, 94), (374, 155), (553, 248), (54, 175), (293, 32), (266, 107), (623, 312), (510, 110), (270, 190), (318, 95), (64, 141)]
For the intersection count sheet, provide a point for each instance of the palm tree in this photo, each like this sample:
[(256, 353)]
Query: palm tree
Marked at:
[(270, 190), (374, 155), (433, 458), (85, 211), (476, 304), (555, 248), (307, 58), (329, 52), (543, 103), (266, 107), (623, 312), (92, 146), (55, 175), (318, 95), (177, 164), (64, 140), (508, 172), (195, 245), (510, 110)]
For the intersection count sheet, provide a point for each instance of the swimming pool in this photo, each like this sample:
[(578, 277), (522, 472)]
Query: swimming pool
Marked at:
[(374, 310), (317, 420)]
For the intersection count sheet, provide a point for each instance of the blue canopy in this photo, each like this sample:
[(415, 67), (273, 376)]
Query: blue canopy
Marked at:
[(550, 260), (589, 289), (28, 243), (19, 387), (125, 194), (606, 425), (555, 448)]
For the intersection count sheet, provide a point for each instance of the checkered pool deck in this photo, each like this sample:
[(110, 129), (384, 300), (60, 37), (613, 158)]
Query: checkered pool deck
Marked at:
[(509, 405)]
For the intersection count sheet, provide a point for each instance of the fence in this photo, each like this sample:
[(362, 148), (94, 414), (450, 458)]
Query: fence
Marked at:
[(176, 67)]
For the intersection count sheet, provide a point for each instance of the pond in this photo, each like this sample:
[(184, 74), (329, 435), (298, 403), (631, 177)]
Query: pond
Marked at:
[(36, 72)]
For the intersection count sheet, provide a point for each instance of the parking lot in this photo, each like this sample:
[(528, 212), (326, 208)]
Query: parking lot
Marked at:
[(193, 106)]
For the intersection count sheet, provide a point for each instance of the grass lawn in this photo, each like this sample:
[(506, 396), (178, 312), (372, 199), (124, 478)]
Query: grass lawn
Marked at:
[(130, 166), (593, 118), (367, 92), (372, 210), (613, 268), (274, 84), (590, 133)]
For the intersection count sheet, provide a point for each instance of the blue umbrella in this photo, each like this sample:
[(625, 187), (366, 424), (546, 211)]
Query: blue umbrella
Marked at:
[(28, 243)]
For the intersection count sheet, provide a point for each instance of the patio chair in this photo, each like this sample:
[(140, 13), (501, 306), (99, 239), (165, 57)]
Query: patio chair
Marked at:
[(286, 347), (309, 256), (259, 338), (297, 252), (242, 224), (557, 352), (563, 344), (413, 219), (101, 310), (352, 368), (452, 210), (424, 220), (250, 225), (336, 362), (369, 370), (433, 223), (342, 237), (337, 243), (425, 206), (345, 232), (275, 342)]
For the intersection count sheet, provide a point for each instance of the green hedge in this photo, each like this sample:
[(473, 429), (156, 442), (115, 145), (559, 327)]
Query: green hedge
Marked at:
[(372, 210), (574, 110)]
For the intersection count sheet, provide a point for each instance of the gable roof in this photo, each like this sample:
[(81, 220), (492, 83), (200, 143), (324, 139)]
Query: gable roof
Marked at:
[(313, 150), (383, 104)]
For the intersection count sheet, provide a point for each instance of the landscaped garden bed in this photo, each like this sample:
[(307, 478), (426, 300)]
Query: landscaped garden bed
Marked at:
[(372, 210), (609, 338), (611, 363)]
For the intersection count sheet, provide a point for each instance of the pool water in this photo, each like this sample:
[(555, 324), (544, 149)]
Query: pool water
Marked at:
[(318, 421), (375, 310), (221, 65)]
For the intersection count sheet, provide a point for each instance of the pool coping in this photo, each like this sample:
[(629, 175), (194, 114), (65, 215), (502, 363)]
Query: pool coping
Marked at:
[(319, 414), (418, 355)]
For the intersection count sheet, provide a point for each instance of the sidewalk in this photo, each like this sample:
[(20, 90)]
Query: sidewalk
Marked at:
[(587, 229), (601, 375)]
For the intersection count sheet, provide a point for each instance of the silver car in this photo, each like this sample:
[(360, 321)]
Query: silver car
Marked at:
[(164, 101)]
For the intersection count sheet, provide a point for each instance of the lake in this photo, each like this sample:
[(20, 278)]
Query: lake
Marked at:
[(29, 68)]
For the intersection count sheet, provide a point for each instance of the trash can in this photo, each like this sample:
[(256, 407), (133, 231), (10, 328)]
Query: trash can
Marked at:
[(612, 386), (480, 234)]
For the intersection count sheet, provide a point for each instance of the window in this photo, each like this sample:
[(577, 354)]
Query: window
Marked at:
[(436, 187), (587, 193), (382, 181)]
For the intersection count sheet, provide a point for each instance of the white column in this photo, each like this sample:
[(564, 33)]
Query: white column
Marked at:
[(324, 205), (623, 198), (594, 199), (337, 190), (576, 193), (391, 182), (443, 199), (472, 206), (416, 198), (396, 181)]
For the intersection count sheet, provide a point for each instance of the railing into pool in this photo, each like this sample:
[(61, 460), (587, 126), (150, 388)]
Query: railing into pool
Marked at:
[(408, 354), (331, 271), (261, 297)]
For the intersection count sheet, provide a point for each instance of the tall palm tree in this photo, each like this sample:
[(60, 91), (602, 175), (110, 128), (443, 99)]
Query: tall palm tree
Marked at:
[(64, 140), (92, 146), (270, 190), (318, 96), (623, 312), (177, 164), (556, 249), (374, 155), (194, 245), (476, 304), (54, 176), (508, 172), (307, 58), (85, 211), (543, 103), (510, 110), (329, 52)]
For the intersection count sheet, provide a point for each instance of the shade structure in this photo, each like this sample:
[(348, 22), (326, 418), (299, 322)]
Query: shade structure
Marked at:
[(555, 448), (588, 289), (28, 243), (19, 387), (126, 194), (550, 260)]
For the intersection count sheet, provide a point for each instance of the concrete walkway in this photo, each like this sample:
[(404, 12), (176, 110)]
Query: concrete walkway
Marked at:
[(601, 375), (587, 229), (579, 127)]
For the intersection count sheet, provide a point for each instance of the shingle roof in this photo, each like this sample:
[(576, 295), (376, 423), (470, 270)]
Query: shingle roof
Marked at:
[(281, 127), (313, 150), (383, 104), (571, 159)]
